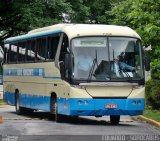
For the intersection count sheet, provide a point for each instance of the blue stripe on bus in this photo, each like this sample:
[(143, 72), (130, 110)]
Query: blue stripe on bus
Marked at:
[(80, 106), (28, 72), (29, 36)]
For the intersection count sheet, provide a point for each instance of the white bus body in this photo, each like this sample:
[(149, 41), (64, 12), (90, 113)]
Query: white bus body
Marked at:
[(42, 73)]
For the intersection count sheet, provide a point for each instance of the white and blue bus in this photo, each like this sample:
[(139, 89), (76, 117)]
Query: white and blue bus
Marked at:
[(76, 70)]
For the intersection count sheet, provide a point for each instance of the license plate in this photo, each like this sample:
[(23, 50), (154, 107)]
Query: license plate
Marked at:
[(110, 106)]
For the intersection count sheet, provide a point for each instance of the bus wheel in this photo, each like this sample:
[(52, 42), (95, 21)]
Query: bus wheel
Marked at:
[(114, 120), (19, 110), (54, 109)]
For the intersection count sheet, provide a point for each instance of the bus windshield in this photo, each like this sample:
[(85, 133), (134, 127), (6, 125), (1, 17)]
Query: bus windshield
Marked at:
[(107, 59)]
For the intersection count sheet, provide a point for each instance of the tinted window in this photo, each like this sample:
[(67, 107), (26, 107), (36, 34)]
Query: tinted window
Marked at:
[(31, 50), (22, 51), (41, 46), (52, 47), (13, 53)]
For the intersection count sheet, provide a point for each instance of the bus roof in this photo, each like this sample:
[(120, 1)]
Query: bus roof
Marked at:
[(76, 30)]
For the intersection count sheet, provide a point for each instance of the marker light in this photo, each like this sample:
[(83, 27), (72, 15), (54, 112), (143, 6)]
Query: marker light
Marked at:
[(85, 102), (79, 102)]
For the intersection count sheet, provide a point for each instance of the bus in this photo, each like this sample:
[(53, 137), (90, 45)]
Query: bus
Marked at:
[(76, 70)]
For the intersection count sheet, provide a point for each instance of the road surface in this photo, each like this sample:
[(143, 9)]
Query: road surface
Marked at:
[(41, 126)]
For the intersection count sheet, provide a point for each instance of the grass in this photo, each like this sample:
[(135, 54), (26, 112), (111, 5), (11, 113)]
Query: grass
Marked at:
[(2, 103), (152, 114)]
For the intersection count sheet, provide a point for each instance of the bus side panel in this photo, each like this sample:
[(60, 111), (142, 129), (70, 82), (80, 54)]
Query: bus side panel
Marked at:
[(35, 102), (29, 101), (9, 93), (35, 84), (9, 98)]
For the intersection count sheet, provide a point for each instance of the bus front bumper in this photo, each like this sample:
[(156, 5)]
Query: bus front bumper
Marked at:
[(100, 107)]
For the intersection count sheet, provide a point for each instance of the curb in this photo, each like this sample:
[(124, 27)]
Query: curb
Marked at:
[(148, 120)]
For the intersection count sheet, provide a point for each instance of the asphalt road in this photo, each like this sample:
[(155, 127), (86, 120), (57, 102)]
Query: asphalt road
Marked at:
[(41, 126)]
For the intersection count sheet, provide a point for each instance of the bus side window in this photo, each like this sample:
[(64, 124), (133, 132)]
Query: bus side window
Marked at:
[(63, 48), (31, 50), (52, 47), (21, 52), (41, 49), (63, 51), (13, 53)]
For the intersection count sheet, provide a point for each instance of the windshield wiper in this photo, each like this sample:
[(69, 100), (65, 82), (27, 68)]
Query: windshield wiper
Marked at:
[(126, 73), (92, 68)]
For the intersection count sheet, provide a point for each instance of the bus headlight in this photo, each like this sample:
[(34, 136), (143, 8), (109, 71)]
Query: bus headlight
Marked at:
[(85, 102), (82, 102), (136, 102)]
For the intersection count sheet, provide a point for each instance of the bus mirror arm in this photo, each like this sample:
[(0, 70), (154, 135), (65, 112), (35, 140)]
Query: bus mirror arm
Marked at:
[(67, 66), (67, 61), (147, 63), (62, 72)]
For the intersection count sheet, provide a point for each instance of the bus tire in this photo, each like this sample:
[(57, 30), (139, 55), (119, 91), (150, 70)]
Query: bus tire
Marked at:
[(19, 109), (54, 109), (114, 119)]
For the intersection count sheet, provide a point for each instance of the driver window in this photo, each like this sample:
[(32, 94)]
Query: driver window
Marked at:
[(63, 48)]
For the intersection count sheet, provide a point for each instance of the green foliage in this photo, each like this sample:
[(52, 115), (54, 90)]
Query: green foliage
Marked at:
[(152, 114), (79, 12), (41, 13), (155, 69), (8, 18), (20, 16), (86, 11), (152, 91), (99, 11), (141, 15)]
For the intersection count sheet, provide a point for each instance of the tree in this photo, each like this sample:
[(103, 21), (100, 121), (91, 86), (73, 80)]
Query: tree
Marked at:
[(79, 12), (87, 11), (8, 18), (18, 17), (99, 11)]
